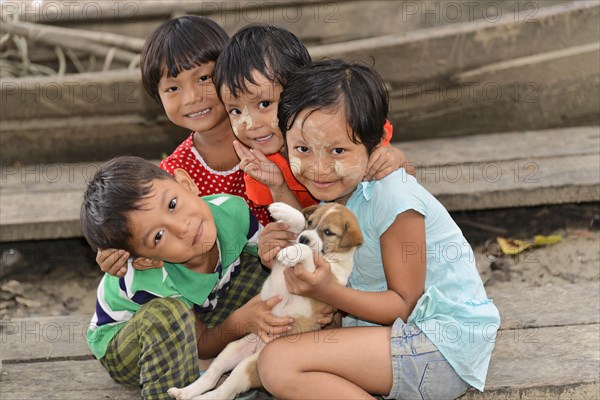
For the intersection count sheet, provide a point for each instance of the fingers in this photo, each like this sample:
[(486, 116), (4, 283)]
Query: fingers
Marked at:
[(378, 161), (113, 261), (241, 150), (374, 158), (383, 172), (258, 155), (272, 301), (147, 263), (267, 257)]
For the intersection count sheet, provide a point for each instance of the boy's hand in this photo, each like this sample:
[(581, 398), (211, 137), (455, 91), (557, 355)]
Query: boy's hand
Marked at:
[(385, 160), (113, 261), (274, 237), (261, 322), (259, 167)]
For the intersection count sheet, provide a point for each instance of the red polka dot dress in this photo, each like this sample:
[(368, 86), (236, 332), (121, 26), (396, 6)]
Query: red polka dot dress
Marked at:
[(208, 180)]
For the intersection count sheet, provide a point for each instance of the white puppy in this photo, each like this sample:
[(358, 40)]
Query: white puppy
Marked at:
[(329, 229)]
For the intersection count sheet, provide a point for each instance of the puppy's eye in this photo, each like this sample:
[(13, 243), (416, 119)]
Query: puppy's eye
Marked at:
[(328, 232), (309, 223)]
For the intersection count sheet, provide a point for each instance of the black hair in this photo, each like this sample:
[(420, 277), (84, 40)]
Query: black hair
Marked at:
[(117, 189), (177, 45), (273, 51), (354, 88)]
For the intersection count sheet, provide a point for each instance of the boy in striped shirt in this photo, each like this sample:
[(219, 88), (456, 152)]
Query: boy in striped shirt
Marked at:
[(151, 326)]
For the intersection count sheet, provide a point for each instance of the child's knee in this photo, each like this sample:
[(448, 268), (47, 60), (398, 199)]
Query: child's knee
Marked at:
[(271, 369)]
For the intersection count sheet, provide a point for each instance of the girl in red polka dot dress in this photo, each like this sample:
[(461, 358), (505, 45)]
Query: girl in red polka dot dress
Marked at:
[(177, 64)]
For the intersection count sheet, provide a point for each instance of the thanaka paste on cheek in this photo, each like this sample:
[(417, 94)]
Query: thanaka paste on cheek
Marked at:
[(350, 169), (295, 165), (237, 123), (245, 118)]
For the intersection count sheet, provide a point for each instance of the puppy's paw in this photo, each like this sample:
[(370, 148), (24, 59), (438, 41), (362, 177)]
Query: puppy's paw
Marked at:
[(176, 393), (295, 254), (288, 214)]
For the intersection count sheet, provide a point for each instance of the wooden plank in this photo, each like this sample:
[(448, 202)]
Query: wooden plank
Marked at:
[(468, 44), (60, 338), (517, 183), (88, 94), (527, 307), (45, 339), (314, 22), (438, 53), (551, 356), (471, 175), (35, 217), (61, 380), (547, 360), (88, 138), (534, 92), (503, 146)]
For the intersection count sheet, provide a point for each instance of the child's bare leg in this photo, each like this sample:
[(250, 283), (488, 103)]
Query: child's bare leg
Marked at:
[(324, 364)]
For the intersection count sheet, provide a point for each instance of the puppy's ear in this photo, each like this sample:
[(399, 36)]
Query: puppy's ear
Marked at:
[(352, 236), (307, 212)]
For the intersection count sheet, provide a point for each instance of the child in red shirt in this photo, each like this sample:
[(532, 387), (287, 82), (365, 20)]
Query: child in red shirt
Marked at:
[(249, 76)]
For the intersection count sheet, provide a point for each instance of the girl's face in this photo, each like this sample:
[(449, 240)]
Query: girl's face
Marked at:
[(190, 99), (323, 157), (253, 114)]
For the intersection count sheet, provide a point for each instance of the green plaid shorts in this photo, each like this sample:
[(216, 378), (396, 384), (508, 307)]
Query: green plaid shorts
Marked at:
[(157, 348)]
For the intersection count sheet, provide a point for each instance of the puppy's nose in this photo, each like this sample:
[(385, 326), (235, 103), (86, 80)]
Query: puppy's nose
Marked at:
[(304, 240)]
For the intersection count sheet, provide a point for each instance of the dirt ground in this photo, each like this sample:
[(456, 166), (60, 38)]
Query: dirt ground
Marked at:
[(60, 277)]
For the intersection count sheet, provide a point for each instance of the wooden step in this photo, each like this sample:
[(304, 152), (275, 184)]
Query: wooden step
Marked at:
[(42, 201), (542, 349), (510, 73)]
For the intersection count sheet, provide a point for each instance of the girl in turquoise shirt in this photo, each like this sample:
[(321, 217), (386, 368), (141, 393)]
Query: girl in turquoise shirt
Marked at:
[(420, 323)]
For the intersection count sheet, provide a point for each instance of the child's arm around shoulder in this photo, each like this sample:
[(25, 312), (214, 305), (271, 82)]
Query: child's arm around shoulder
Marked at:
[(403, 256), (115, 262), (386, 159)]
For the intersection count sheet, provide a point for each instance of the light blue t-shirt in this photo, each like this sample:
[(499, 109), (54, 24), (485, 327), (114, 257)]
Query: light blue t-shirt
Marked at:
[(454, 311)]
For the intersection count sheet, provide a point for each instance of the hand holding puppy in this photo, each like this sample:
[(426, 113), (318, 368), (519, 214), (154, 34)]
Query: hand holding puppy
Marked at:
[(313, 285)]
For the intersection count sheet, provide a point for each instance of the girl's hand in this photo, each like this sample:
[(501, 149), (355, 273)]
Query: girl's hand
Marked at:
[(301, 282), (259, 319), (385, 160), (274, 237), (325, 315), (113, 261), (258, 166)]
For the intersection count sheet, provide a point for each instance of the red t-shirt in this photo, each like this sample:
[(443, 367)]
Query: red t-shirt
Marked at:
[(208, 180)]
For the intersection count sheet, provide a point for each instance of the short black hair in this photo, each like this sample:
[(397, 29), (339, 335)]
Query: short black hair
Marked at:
[(177, 45), (117, 189), (271, 50), (353, 88)]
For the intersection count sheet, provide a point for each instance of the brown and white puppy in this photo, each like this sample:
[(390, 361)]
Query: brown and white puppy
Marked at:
[(331, 230)]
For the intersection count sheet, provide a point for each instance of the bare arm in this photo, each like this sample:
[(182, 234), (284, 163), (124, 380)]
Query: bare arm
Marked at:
[(253, 317), (403, 253)]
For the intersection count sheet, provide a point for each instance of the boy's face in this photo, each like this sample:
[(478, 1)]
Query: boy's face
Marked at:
[(190, 99), (173, 225), (323, 157), (253, 114)]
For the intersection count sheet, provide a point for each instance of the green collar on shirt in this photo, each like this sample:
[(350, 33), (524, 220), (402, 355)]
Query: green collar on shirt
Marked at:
[(232, 220)]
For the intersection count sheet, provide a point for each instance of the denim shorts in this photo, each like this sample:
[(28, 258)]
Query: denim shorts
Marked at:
[(420, 370)]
